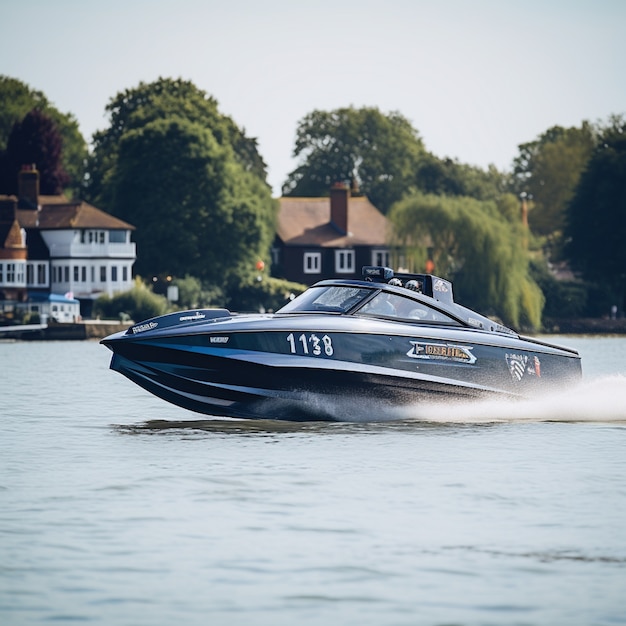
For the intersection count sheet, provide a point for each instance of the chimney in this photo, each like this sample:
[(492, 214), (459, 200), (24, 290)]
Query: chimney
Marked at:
[(28, 186), (339, 198), (11, 240)]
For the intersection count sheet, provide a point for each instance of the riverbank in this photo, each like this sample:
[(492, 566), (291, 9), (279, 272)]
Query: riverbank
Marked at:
[(88, 329), (98, 329), (586, 326)]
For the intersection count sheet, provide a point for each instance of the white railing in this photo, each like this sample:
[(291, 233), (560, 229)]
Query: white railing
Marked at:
[(97, 250)]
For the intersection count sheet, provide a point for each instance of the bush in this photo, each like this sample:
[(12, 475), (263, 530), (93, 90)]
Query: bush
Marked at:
[(564, 299), (138, 304), (268, 294)]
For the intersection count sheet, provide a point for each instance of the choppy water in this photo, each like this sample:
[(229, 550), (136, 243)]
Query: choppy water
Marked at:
[(117, 508)]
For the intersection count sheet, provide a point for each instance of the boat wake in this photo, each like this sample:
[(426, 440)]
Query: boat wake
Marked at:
[(602, 401)]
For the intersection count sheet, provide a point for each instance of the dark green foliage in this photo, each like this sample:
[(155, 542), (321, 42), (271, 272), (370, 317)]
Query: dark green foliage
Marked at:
[(189, 179), (36, 140), (448, 177), (150, 102), (377, 152), (563, 299), (16, 101), (268, 294), (596, 227), (138, 304), (380, 154), (192, 295), (548, 170)]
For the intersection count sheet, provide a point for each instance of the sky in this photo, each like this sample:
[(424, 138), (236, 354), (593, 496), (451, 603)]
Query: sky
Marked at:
[(475, 78)]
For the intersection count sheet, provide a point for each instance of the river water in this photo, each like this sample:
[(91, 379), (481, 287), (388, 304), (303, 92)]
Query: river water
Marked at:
[(118, 508)]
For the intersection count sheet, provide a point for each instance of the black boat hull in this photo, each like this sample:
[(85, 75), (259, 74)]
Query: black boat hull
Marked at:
[(273, 368)]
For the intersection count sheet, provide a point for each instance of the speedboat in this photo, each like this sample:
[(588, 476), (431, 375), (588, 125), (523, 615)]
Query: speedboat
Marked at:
[(340, 349)]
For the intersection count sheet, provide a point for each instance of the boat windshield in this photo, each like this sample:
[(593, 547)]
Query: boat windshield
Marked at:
[(330, 299)]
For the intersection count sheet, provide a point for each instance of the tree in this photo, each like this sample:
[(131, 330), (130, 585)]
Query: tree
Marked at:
[(16, 100), (135, 108), (450, 178), (189, 179), (596, 216), (198, 212), (549, 169), (36, 140), (475, 245), (379, 153)]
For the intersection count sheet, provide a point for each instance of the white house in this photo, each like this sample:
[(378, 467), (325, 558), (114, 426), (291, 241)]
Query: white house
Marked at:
[(72, 247)]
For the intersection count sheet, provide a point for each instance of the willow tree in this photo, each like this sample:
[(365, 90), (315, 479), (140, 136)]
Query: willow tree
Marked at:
[(478, 246)]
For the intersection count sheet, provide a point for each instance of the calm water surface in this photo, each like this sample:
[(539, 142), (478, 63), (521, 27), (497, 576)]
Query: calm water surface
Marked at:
[(117, 508)]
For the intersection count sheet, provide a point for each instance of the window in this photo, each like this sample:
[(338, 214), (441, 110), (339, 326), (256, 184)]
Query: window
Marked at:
[(103, 273), (380, 257), (1, 272), (10, 272), (124, 273), (391, 305), (93, 274), (42, 274), (101, 236), (117, 236), (76, 273), (67, 273), (344, 261), (114, 273), (312, 262), (83, 274), (30, 274)]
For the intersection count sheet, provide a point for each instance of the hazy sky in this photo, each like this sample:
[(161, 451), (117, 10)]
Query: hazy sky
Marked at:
[(475, 78)]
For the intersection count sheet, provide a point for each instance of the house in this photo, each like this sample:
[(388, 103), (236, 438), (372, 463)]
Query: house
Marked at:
[(319, 238), (54, 245)]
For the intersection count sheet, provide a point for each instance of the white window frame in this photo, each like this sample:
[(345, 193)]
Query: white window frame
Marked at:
[(345, 261), (312, 263), (384, 254)]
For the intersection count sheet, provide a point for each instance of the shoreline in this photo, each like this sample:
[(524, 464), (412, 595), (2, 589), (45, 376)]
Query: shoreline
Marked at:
[(76, 331), (98, 329)]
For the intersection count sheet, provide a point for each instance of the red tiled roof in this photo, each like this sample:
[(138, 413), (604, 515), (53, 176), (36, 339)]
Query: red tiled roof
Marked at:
[(306, 221), (57, 212)]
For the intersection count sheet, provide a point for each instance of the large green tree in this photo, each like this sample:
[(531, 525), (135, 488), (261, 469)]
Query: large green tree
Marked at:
[(16, 100), (135, 108), (378, 152), (477, 244), (382, 155), (200, 208), (596, 226), (548, 169)]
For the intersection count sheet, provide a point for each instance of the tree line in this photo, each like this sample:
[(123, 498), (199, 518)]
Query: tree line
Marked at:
[(196, 185)]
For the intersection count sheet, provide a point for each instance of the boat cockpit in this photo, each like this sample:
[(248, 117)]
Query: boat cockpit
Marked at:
[(396, 297)]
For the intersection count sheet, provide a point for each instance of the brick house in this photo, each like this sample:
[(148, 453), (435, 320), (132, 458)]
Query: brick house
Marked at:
[(318, 238)]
